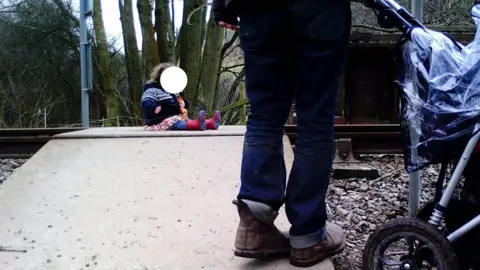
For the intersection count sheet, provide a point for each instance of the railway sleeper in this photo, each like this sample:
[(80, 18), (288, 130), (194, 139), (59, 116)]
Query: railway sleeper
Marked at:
[(346, 166)]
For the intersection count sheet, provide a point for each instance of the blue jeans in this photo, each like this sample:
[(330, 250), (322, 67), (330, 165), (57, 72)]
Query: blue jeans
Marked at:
[(179, 125), (293, 51)]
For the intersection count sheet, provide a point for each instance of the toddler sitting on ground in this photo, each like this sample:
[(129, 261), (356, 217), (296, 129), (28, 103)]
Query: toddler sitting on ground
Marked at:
[(165, 111)]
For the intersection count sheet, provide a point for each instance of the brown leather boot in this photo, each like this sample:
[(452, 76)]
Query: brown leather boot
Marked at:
[(333, 243), (256, 238)]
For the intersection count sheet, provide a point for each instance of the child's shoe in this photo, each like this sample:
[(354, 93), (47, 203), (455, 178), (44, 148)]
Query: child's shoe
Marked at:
[(214, 121), (198, 124)]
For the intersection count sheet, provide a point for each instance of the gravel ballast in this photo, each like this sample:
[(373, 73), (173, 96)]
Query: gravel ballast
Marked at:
[(7, 166), (358, 205)]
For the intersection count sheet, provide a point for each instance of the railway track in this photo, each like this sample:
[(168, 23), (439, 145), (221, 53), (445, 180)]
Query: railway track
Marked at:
[(25, 142), (365, 139)]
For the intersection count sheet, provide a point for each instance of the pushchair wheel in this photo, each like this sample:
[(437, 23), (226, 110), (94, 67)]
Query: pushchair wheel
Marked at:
[(423, 247), (458, 213)]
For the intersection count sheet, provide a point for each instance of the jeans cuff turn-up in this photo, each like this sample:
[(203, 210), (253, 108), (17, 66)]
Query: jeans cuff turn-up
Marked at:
[(306, 241), (261, 211), (266, 214)]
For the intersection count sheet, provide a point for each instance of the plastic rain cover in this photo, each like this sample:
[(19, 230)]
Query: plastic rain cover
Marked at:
[(440, 83)]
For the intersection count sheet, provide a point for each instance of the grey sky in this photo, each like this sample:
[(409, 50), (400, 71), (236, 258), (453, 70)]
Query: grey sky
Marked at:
[(111, 19)]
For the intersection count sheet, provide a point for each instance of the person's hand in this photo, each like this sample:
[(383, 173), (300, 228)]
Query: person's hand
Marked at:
[(224, 16), (228, 26), (157, 109)]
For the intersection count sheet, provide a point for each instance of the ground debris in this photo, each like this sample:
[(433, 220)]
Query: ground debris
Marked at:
[(8, 249)]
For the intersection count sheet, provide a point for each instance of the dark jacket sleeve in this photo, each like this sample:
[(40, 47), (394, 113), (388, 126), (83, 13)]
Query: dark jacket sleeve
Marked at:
[(219, 4), (223, 11), (149, 105)]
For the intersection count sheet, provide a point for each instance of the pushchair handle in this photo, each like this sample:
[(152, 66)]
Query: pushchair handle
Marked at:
[(393, 4), (391, 14)]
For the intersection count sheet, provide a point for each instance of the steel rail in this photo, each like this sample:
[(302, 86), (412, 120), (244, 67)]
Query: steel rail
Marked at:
[(365, 139), (25, 142)]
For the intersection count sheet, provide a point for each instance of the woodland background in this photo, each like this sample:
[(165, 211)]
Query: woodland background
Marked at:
[(40, 59)]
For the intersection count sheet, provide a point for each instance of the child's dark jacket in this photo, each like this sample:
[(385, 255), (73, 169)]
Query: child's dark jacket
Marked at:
[(154, 96)]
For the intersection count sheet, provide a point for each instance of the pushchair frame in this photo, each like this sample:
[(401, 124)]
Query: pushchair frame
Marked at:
[(393, 15)]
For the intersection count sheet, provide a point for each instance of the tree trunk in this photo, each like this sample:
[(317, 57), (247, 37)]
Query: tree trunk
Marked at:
[(171, 27), (190, 44), (211, 61), (104, 61), (204, 19), (165, 52), (150, 50), (132, 58), (177, 45), (98, 98)]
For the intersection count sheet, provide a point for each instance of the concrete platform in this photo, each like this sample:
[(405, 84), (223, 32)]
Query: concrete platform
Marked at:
[(139, 132), (128, 201)]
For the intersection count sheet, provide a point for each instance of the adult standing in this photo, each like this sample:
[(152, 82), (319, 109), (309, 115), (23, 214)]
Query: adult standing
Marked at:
[(293, 49)]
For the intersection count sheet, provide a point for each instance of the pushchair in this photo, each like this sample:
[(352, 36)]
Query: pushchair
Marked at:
[(439, 83)]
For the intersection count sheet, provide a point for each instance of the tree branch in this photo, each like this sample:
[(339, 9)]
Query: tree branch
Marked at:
[(230, 67), (195, 10), (374, 28), (228, 44)]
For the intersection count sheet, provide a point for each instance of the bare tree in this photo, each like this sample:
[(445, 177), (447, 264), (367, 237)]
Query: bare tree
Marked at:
[(132, 57), (104, 60), (149, 49)]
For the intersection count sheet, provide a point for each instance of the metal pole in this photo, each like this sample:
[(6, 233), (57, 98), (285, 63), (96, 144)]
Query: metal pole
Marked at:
[(414, 184), (415, 181), (45, 117), (417, 9), (85, 60)]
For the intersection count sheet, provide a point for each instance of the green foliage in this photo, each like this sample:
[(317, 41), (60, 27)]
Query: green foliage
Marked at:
[(39, 65)]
